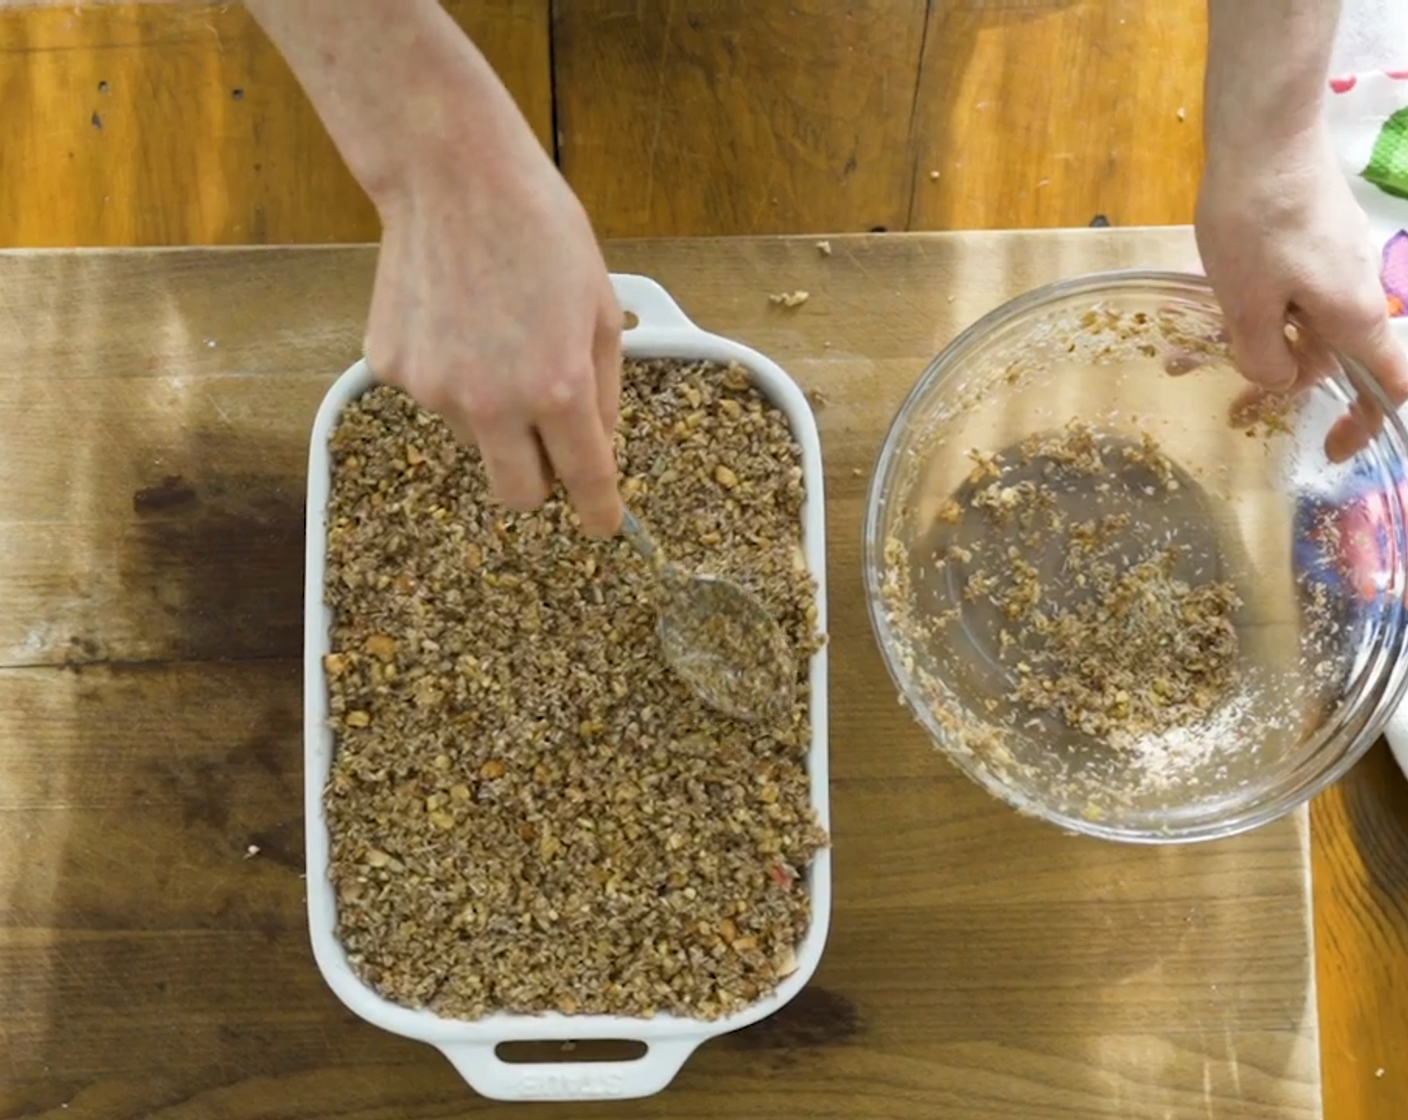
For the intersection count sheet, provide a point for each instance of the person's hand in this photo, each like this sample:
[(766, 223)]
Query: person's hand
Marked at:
[(493, 308), (1281, 236), (492, 304)]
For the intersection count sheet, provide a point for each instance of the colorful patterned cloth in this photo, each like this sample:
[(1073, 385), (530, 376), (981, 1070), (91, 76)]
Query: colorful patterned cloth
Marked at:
[(1368, 117), (1367, 112)]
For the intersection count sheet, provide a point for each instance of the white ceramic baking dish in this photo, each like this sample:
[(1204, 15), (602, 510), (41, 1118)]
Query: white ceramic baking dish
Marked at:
[(661, 330)]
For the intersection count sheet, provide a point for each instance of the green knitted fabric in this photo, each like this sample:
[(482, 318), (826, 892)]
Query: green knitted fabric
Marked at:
[(1388, 166)]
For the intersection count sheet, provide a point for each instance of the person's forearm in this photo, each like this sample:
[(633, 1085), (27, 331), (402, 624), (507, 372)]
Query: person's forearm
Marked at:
[(1266, 74), (392, 82)]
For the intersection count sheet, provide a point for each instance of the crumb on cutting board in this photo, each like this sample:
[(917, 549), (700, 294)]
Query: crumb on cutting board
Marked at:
[(789, 299)]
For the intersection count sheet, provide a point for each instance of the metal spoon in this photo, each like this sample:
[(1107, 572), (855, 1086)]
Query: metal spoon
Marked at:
[(718, 638)]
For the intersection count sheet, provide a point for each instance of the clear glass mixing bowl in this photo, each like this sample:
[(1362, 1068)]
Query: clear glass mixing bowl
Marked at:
[(982, 479)]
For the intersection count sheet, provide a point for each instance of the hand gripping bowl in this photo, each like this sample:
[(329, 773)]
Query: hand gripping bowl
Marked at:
[(662, 331), (1238, 483)]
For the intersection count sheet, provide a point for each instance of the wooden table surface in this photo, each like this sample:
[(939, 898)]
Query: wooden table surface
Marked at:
[(153, 950), (158, 123)]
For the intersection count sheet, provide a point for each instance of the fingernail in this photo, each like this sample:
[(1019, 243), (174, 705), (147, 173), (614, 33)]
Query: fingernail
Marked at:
[(603, 524), (1343, 442)]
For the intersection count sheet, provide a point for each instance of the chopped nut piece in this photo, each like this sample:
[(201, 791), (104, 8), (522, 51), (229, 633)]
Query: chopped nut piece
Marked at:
[(725, 477), (381, 646), (985, 466), (736, 379), (1003, 500), (950, 513), (789, 299), (824, 247)]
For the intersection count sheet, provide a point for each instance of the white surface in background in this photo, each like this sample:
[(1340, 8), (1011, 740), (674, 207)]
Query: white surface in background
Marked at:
[(1373, 35)]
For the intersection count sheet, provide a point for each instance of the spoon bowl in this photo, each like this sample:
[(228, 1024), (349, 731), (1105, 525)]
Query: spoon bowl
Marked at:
[(719, 638)]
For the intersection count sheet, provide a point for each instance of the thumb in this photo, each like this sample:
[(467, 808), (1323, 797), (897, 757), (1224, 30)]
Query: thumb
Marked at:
[(1261, 348), (1382, 356), (1380, 352)]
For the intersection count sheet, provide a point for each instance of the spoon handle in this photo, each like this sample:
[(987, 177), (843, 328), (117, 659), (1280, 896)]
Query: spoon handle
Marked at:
[(650, 552), (640, 539)]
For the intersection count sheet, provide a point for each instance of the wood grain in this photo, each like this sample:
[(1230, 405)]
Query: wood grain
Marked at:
[(709, 117), (153, 954), (1034, 112), (728, 117), (180, 124), (1037, 113), (1360, 829)]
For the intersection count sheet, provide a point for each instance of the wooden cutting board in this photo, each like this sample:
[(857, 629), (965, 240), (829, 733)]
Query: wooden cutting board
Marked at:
[(153, 954)]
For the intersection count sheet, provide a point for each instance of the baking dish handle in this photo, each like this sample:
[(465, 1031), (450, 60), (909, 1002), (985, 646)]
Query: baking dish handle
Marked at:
[(490, 1076), (649, 303)]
